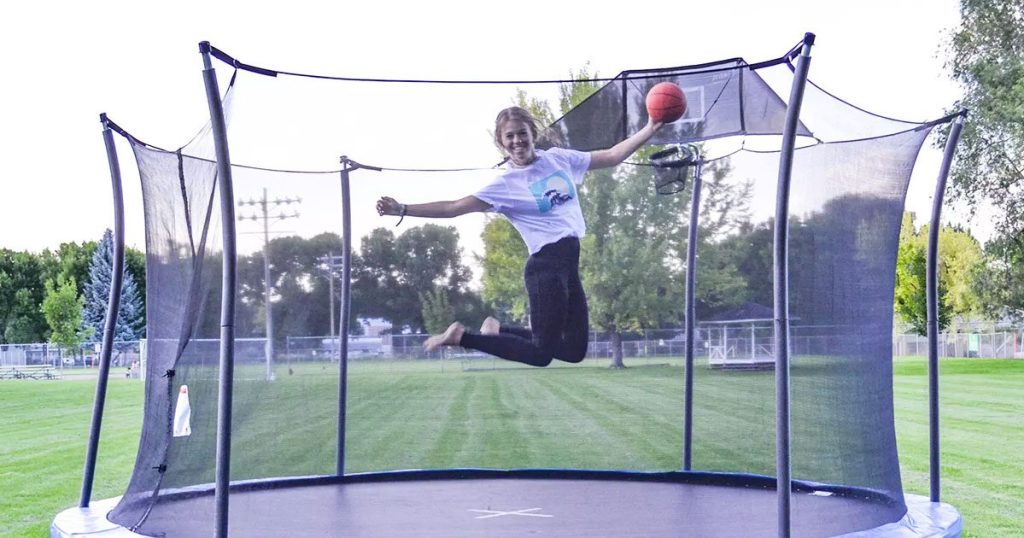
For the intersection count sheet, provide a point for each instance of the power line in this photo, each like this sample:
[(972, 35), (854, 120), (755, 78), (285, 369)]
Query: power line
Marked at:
[(265, 208)]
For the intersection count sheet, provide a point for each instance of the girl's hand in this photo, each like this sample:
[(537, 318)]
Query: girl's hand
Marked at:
[(388, 206)]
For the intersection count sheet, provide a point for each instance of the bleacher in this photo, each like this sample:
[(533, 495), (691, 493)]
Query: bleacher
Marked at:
[(29, 371)]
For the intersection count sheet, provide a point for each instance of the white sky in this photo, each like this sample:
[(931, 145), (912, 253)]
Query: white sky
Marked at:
[(65, 62)]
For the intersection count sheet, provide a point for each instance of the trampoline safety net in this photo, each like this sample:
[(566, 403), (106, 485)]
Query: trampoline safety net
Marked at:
[(458, 409)]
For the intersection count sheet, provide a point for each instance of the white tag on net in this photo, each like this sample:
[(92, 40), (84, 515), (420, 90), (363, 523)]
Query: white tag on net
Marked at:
[(182, 414)]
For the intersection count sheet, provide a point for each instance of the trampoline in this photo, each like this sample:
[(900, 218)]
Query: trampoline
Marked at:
[(512, 504), (282, 439)]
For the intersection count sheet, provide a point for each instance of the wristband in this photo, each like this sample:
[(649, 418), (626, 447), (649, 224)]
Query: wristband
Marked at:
[(401, 215)]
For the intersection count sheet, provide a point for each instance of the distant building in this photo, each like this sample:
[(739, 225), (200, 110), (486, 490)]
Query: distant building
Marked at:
[(375, 326)]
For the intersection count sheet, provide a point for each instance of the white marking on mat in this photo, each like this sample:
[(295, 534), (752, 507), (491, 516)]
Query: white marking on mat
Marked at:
[(499, 513)]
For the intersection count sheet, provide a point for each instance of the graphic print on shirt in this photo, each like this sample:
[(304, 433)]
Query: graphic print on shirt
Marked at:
[(553, 191)]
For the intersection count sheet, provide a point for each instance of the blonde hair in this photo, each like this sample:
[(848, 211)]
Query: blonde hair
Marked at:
[(514, 113)]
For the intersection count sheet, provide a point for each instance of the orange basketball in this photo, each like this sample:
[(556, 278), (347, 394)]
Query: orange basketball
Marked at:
[(666, 102)]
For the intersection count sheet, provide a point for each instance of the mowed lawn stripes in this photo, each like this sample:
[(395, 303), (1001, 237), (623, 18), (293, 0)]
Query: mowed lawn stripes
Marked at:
[(982, 439), (426, 414)]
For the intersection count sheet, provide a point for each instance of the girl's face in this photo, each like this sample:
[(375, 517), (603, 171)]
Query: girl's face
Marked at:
[(517, 140)]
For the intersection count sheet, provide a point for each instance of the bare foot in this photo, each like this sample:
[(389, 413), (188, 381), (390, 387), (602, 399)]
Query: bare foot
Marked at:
[(490, 326), (450, 337)]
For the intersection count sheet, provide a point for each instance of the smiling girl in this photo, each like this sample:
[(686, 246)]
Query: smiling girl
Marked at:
[(538, 194)]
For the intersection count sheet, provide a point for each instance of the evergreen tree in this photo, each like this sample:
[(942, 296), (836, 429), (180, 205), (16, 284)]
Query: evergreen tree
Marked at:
[(130, 321)]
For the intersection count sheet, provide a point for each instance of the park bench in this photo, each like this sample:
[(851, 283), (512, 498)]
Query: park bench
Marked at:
[(29, 371)]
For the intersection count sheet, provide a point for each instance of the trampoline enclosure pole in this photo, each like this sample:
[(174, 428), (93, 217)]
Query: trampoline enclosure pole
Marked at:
[(109, 324), (781, 262), (227, 302), (932, 294), (346, 302), (691, 313)]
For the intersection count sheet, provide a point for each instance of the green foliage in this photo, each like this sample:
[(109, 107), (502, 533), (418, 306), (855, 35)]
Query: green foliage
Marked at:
[(393, 272), (25, 326), (539, 108), (135, 264), (626, 257), (985, 55), (300, 290), (63, 310), (22, 285), (504, 256), (571, 95), (910, 297), (130, 322), (71, 260), (960, 263), (437, 310), (999, 284), (726, 240), (21, 294)]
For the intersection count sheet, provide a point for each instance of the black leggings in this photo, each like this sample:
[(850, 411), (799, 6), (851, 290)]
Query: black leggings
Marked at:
[(558, 311)]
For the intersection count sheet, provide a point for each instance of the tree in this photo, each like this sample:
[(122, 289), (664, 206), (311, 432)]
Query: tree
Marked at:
[(625, 257), (910, 293), (70, 261), (130, 323), (437, 310), (960, 259), (999, 283), (723, 242), (21, 294), (375, 281), (625, 261), (63, 310), (395, 271), (135, 265), (750, 251), (986, 56), (504, 256)]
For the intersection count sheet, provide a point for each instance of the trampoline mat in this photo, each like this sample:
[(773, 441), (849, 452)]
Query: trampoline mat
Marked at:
[(515, 508)]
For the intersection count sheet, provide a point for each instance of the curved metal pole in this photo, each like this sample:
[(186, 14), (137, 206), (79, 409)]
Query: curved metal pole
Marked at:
[(691, 313), (781, 258), (227, 302), (346, 304), (932, 293), (113, 306)]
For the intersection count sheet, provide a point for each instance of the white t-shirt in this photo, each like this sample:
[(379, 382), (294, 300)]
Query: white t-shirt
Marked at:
[(541, 199)]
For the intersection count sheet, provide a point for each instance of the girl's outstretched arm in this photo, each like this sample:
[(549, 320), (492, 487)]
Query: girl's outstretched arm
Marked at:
[(435, 210), (614, 155)]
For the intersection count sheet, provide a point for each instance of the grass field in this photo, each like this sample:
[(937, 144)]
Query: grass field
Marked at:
[(434, 415)]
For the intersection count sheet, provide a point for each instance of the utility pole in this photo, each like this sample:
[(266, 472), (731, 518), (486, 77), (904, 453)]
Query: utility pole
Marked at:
[(265, 206), (331, 263)]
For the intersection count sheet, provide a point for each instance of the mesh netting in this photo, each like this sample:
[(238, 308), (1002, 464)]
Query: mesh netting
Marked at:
[(850, 179)]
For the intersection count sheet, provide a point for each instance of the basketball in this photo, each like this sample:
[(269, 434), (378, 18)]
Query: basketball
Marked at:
[(666, 102)]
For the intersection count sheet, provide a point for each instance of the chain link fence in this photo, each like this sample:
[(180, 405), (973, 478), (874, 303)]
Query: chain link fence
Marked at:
[(1004, 344), (127, 355), (754, 343)]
